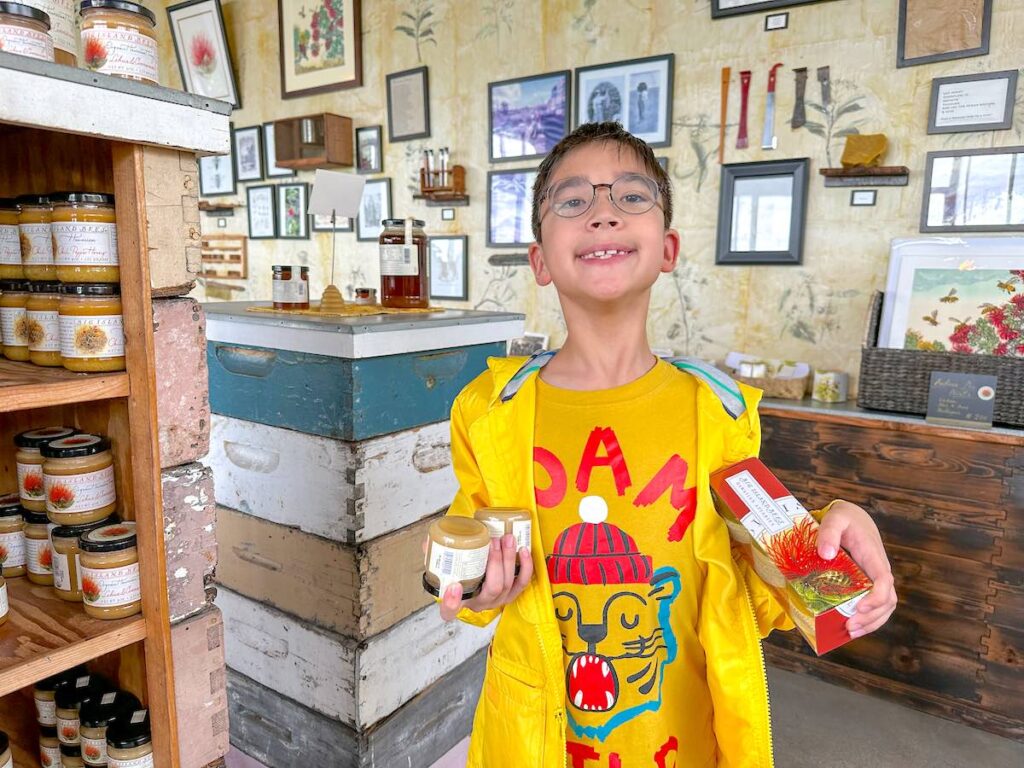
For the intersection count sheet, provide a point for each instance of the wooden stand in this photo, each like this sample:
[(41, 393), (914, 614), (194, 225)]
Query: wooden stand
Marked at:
[(448, 189)]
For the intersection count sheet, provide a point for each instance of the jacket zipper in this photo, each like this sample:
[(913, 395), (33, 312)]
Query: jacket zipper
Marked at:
[(559, 712), (764, 670)]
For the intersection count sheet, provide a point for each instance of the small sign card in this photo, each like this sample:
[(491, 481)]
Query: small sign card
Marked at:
[(961, 399)]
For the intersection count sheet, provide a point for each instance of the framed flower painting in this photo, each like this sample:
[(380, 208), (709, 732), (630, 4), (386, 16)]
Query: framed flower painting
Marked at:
[(321, 46), (201, 46)]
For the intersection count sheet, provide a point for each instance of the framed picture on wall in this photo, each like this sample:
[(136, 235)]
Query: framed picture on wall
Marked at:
[(248, 151), (201, 47), (374, 207), (510, 208), (273, 171), (292, 206), (636, 93), (260, 209), (216, 176), (974, 190), (408, 105), (973, 102), (449, 266), (320, 46), (369, 152), (528, 115), (940, 30), (722, 8)]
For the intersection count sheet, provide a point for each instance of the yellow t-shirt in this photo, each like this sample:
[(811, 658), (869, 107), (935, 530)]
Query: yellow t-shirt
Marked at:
[(615, 495)]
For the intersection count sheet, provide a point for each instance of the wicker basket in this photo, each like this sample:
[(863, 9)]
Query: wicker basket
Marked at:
[(899, 379)]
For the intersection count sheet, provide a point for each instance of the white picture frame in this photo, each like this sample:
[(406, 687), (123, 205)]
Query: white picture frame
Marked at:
[(449, 267), (261, 211), (374, 206), (637, 93), (201, 48)]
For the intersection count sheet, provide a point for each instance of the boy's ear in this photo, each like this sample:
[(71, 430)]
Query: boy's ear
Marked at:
[(540, 270), (670, 256)]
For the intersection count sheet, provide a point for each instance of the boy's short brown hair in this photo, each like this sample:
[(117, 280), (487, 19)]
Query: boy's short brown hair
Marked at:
[(591, 133)]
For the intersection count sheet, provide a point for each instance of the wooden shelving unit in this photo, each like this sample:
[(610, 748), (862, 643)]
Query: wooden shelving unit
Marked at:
[(60, 129)]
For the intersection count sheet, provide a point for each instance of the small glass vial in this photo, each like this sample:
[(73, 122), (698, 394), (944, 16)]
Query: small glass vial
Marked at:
[(14, 319), (35, 219), (85, 238), (129, 741), (110, 572), (25, 30), (12, 537), (49, 747), (95, 715), (38, 551), (457, 553), (91, 327), (10, 244), (29, 463), (404, 282), (43, 315), (119, 38), (78, 479), (291, 287)]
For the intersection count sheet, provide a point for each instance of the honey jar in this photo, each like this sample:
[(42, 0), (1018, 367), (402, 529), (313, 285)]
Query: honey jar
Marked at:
[(49, 746), (129, 741), (12, 537), (5, 605), (14, 319), (44, 694), (78, 479), (6, 758), (68, 699), (91, 327), (290, 288), (96, 714), (403, 264), (29, 463), (25, 31), (85, 238), (110, 572), (63, 28), (44, 323), (67, 566), (507, 520), (10, 244), (71, 756), (38, 552), (457, 552), (34, 231), (119, 38)]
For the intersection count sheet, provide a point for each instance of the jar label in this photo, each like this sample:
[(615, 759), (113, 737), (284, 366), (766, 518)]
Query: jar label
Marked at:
[(5, 606), (46, 714), (294, 291), (12, 549), (61, 572), (91, 336), (111, 587), (522, 530), (36, 244), (451, 565), (495, 527), (40, 556), (49, 756), (10, 245), (14, 326), (399, 260), (62, 22), (139, 762), (69, 494), (43, 330), (79, 243), (26, 42), (94, 751), (67, 730), (120, 51), (30, 482)]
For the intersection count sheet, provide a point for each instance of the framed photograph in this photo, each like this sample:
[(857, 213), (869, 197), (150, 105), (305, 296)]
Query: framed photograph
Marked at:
[(369, 154), (636, 93), (216, 176), (248, 151), (962, 294), (374, 207), (723, 8), (322, 223), (528, 115), (776, 21), (510, 208), (201, 46), (940, 30), (761, 212), (292, 205), (863, 197), (408, 105), (259, 202), (974, 190), (973, 102), (449, 267), (270, 156), (527, 344), (321, 46)]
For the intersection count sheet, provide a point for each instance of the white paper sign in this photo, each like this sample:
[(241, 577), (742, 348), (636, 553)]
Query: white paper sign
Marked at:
[(335, 192)]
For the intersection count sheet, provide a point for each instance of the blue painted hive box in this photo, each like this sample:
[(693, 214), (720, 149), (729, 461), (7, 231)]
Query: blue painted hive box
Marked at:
[(347, 378)]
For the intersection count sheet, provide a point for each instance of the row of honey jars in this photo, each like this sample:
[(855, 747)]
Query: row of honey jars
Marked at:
[(70, 237), (75, 325)]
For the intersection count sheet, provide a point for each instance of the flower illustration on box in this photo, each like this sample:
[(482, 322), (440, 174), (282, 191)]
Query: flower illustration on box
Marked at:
[(61, 496), (90, 590), (32, 486), (90, 338), (95, 53)]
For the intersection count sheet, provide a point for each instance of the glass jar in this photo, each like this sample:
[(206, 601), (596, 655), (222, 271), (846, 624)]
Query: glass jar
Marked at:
[(68, 699), (119, 38), (29, 463), (67, 566), (129, 742), (290, 290), (63, 28), (38, 553), (366, 296), (12, 537), (6, 758), (5, 605), (457, 552), (91, 327), (36, 236), (85, 238), (110, 572), (403, 264), (71, 756), (44, 694), (44, 323), (10, 244), (25, 31), (96, 715), (78, 479), (14, 319), (49, 747)]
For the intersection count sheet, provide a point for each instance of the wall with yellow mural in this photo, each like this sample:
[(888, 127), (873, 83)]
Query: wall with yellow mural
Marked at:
[(814, 312)]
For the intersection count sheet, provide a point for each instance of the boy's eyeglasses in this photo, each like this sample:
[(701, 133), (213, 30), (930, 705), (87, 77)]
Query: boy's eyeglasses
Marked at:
[(633, 194)]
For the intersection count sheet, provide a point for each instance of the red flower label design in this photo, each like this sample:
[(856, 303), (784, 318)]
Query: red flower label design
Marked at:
[(45, 558), (95, 53), (90, 590), (92, 751), (33, 485), (61, 496)]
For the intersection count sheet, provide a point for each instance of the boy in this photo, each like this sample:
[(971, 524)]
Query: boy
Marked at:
[(630, 638)]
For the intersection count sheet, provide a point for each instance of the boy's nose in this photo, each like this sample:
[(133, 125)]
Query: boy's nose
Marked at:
[(603, 212)]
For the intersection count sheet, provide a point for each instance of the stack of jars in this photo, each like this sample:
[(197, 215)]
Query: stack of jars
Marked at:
[(60, 295)]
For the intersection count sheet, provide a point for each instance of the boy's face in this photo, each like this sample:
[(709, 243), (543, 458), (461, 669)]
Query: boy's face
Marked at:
[(640, 245)]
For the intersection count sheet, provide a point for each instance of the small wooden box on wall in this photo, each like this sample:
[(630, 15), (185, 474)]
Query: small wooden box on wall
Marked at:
[(313, 141)]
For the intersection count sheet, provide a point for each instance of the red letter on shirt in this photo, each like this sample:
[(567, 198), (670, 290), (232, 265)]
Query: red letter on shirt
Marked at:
[(672, 475), (671, 747), (552, 495), (613, 458), (580, 754)]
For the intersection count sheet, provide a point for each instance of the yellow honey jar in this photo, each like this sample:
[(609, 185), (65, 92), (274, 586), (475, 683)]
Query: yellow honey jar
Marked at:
[(42, 311), (34, 232), (78, 479), (29, 463), (38, 551), (85, 238), (10, 244), (119, 38), (12, 537), (14, 319), (91, 327), (110, 572)]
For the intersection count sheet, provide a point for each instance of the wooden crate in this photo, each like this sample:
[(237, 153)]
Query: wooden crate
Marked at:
[(200, 684)]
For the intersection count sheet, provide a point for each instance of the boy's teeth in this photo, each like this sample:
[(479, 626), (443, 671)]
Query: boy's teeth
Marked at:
[(602, 254)]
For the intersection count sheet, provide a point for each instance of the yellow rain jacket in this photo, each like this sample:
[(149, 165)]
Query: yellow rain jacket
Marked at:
[(521, 720)]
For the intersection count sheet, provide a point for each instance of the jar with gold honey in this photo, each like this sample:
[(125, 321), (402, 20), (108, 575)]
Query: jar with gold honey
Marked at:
[(10, 244), (34, 231), (12, 537), (78, 479), (91, 327), (29, 463), (14, 319), (110, 572), (25, 31), (38, 551), (119, 38), (63, 28), (44, 323), (85, 238)]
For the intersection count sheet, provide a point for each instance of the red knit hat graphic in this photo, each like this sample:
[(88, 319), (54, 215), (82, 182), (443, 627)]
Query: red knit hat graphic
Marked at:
[(596, 552)]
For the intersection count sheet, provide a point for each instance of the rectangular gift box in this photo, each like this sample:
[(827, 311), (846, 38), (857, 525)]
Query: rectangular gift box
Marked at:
[(780, 538)]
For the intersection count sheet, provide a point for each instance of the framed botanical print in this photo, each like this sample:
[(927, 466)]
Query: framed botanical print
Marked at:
[(449, 261), (940, 30), (216, 176), (260, 208), (248, 153), (292, 206), (408, 105), (201, 46), (321, 46), (637, 94), (374, 207)]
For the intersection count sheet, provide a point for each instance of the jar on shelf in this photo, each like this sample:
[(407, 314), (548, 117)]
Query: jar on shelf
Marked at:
[(63, 28), (5, 604), (119, 38), (71, 756), (14, 319), (42, 311), (110, 572), (49, 746), (10, 244), (35, 218), (403, 264), (366, 296), (85, 238), (96, 715), (25, 31), (290, 289), (44, 691), (29, 463), (67, 566), (130, 742), (78, 479), (68, 699), (91, 327), (38, 552), (6, 758), (12, 537)]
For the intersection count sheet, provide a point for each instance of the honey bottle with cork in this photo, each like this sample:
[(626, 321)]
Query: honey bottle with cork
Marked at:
[(404, 282)]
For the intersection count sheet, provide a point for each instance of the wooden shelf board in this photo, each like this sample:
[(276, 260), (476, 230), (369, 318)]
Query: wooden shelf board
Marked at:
[(18, 715), (310, 163), (24, 386), (45, 635)]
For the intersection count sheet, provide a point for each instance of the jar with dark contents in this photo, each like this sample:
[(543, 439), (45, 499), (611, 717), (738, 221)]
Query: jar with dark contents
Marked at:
[(366, 296), (291, 287), (403, 264)]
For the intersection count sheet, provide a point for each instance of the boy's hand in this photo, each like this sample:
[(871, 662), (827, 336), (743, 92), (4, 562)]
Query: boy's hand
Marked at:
[(850, 527), (501, 585)]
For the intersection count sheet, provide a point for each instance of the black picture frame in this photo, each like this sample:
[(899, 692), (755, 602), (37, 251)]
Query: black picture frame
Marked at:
[(524, 225), (547, 122), (796, 168), (755, 6), (364, 232), (249, 191), (303, 218), (1010, 75), (391, 79), (187, 77), (872, 195), (768, 21), (270, 167), (257, 133), (664, 128), (377, 132), (928, 189), (223, 162), (463, 294), (901, 41)]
